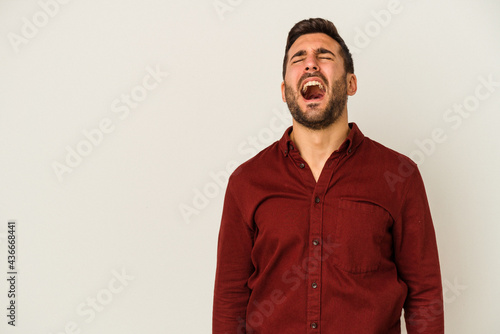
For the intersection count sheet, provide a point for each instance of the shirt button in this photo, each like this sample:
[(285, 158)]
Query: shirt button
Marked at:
[(314, 325), (302, 165), (316, 199), (314, 285), (315, 242)]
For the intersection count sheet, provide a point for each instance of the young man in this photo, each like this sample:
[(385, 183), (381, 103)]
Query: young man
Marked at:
[(325, 231)]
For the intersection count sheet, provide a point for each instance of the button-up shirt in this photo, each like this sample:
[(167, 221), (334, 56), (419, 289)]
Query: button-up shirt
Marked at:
[(344, 254)]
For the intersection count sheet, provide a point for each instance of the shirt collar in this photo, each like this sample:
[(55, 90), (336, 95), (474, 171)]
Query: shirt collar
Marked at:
[(354, 138)]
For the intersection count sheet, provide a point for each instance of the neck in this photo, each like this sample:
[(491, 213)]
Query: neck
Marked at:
[(316, 146)]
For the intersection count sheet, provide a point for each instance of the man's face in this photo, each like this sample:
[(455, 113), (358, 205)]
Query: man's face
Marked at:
[(316, 85)]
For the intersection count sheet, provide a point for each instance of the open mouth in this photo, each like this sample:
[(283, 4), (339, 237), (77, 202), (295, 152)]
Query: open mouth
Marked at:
[(313, 91)]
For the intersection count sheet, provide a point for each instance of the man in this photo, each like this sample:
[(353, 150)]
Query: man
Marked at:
[(325, 231)]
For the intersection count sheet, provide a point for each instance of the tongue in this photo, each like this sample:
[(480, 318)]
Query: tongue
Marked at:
[(315, 96)]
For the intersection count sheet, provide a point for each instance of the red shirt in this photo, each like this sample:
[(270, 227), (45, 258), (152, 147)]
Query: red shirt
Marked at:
[(342, 255)]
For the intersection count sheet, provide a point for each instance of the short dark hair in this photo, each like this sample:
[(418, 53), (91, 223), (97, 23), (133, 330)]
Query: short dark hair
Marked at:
[(318, 25)]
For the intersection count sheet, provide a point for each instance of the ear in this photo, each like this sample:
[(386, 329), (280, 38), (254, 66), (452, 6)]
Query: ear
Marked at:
[(352, 84), (283, 97)]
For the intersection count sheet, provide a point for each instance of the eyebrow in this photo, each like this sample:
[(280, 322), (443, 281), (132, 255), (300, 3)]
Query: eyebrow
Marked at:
[(322, 50), (317, 51)]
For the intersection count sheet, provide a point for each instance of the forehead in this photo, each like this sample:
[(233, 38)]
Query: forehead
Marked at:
[(314, 41)]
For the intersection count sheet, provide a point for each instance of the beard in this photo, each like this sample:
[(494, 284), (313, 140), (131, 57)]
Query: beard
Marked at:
[(318, 119)]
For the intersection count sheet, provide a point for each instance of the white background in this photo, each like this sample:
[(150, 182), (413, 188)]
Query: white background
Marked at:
[(119, 210)]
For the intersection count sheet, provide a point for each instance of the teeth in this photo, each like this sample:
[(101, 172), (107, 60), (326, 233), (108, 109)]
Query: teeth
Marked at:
[(312, 83)]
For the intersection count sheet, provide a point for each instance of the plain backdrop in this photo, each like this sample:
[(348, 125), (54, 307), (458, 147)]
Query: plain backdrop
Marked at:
[(120, 120)]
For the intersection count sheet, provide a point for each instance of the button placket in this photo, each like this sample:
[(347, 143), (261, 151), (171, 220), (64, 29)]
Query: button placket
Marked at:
[(314, 268), (315, 248)]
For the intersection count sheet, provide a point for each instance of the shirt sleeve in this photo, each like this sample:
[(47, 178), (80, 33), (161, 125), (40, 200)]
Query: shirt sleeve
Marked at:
[(234, 267), (417, 261)]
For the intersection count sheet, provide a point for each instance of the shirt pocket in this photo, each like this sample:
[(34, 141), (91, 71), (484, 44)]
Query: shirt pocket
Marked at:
[(360, 228)]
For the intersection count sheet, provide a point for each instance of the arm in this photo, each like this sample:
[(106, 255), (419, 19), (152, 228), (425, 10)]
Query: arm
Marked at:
[(234, 267), (417, 260)]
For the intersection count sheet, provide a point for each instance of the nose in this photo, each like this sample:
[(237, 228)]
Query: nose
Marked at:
[(311, 64)]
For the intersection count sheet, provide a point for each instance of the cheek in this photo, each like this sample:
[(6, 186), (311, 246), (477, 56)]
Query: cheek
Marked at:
[(292, 75)]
